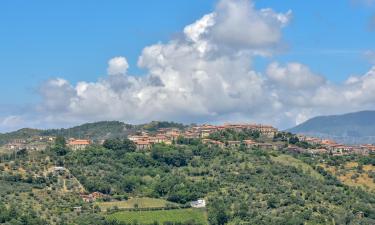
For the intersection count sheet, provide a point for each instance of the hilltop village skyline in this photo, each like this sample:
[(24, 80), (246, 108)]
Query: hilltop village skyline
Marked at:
[(144, 139)]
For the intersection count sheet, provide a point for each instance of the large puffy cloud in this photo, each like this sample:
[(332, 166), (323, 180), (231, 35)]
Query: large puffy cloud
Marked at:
[(238, 24), (57, 94), (294, 76), (207, 76)]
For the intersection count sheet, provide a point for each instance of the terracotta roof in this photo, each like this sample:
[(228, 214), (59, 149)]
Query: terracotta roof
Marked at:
[(249, 141), (142, 142), (79, 142)]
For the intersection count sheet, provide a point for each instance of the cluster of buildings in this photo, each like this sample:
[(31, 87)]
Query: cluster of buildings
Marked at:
[(40, 142), (245, 143), (205, 130), (333, 148), (144, 140), (170, 135), (33, 143)]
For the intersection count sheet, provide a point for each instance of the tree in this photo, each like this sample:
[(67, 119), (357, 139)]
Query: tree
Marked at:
[(218, 213), (273, 202), (129, 145), (120, 146), (60, 147), (129, 183), (60, 140), (293, 140), (113, 144)]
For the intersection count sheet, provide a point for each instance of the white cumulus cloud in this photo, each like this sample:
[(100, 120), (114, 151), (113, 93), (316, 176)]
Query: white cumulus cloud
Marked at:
[(294, 76), (117, 66)]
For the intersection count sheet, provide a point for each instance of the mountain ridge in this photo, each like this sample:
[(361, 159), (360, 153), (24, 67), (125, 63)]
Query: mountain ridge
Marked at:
[(350, 128)]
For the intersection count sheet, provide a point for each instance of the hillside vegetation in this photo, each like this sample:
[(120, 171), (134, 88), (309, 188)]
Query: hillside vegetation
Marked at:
[(241, 186)]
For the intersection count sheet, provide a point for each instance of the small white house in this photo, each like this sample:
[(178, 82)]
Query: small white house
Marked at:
[(200, 203), (77, 209), (58, 168)]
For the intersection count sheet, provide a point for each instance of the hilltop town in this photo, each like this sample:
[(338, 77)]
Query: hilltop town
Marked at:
[(144, 139)]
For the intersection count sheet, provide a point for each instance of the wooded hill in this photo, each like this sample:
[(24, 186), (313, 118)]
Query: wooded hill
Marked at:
[(94, 131)]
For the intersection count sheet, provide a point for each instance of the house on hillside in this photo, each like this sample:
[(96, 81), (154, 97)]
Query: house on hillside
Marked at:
[(143, 144), (92, 197), (313, 141), (15, 146), (159, 138), (173, 134), (210, 142), (295, 149), (266, 146), (267, 131), (138, 138), (233, 144), (190, 135), (327, 142), (317, 151), (250, 143), (45, 139), (368, 147), (279, 146), (200, 203), (338, 149), (58, 169), (77, 209), (78, 144)]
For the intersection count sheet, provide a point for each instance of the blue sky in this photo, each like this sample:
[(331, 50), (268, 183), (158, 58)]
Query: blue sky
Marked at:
[(74, 39), (40, 40)]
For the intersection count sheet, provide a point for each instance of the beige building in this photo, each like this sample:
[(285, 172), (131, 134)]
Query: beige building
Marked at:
[(78, 144)]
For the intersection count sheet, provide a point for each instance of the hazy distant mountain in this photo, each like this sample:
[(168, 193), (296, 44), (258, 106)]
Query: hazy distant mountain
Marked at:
[(97, 130), (351, 128)]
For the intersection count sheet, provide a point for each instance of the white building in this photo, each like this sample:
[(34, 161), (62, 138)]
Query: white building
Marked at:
[(200, 203)]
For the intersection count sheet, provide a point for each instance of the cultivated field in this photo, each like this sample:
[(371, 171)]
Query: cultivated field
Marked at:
[(161, 216), (141, 203)]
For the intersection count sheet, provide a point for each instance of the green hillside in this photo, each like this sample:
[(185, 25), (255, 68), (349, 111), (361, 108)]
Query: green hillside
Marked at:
[(240, 185), (23, 133), (98, 130), (95, 131)]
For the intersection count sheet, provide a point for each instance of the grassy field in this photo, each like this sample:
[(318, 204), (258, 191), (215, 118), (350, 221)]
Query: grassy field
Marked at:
[(352, 177), (161, 216), (131, 203), (290, 161)]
